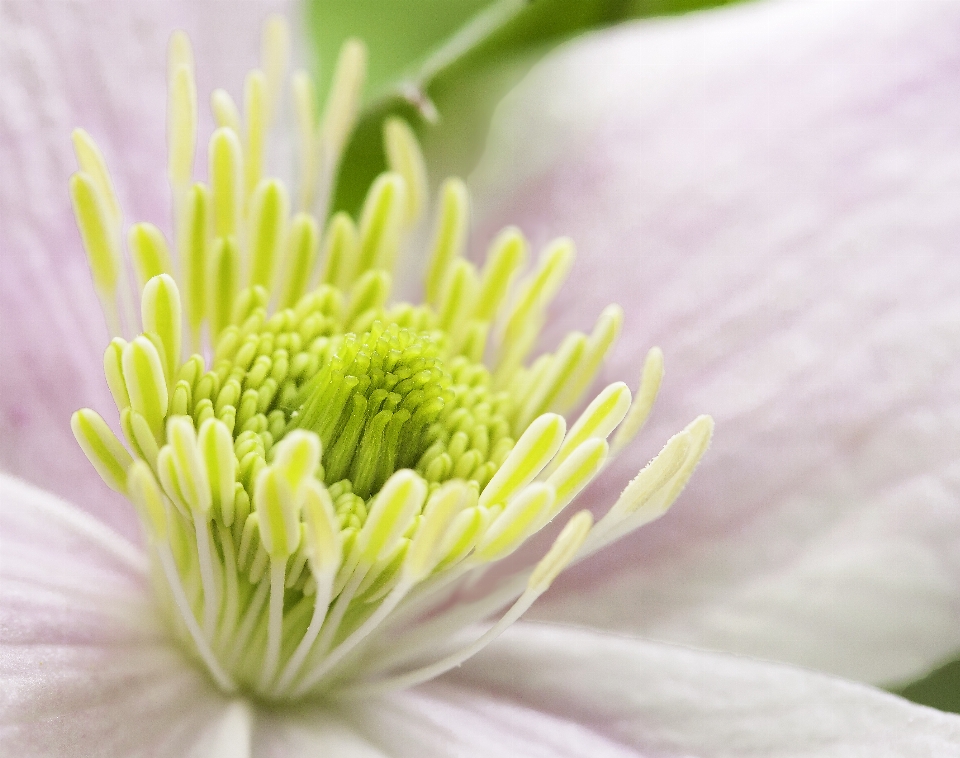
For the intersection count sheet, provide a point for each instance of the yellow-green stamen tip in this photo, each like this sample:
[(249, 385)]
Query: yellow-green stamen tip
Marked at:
[(328, 462)]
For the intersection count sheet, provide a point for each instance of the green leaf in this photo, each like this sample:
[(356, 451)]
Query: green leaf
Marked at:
[(939, 689), (444, 65), (399, 33)]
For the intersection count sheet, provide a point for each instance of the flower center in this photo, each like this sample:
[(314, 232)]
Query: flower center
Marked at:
[(322, 474), (384, 400)]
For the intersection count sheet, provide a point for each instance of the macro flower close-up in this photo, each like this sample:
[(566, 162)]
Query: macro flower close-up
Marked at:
[(278, 479)]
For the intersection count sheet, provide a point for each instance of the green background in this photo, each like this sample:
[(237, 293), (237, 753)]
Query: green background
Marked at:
[(414, 41)]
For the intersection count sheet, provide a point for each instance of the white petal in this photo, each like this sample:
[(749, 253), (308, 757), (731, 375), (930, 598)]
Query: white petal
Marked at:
[(100, 67), (311, 730), (665, 700), (770, 191), (85, 663)]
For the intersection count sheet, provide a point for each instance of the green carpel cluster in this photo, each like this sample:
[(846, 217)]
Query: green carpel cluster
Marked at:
[(388, 398)]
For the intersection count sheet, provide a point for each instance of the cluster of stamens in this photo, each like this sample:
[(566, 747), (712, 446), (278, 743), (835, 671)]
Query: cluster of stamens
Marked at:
[(327, 466)]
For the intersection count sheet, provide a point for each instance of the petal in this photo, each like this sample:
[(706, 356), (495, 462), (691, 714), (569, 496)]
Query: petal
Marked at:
[(666, 700), (102, 67), (770, 190), (451, 720), (311, 730), (86, 666)]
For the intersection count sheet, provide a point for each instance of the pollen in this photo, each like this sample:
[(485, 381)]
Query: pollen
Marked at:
[(318, 463)]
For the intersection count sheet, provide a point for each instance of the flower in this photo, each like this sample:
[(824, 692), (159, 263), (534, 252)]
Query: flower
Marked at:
[(69, 581), (793, 202)]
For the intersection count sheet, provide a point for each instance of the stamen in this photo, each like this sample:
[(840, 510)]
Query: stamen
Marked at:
[(145, 381), (311, 679), (648, 497), (278, 514), (268, 214), (600, 418), (323, 541), (223, 286), (562, 552), (527, 317), (151, 255), (231, 603), (457, 297), (274, 60), (102, 448), (113, 370), (551, 383), (420, 561), (195, 233), (329, 468), (216, 448), (577, 471), (245, 629), (255, 115), (179, 53), (90, 208), (404, 157), (140, 436), (145, 492), (344, 101), (581, 376), (538, 444), (93, 165), (161, 315), (181, 113), (225, 111), (303, 247), (340, 251), (226, 181), (646, 395), (380, 221), (304, 103), (394, 510), (275, 622), (449, 236), (507, 255), (427, 548), (515, 524)]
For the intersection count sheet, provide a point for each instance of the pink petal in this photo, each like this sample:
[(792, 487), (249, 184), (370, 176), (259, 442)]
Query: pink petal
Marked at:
[(771, 192), (664, 700), (449, 720), (102, 67), (84, 661), (552, 691)]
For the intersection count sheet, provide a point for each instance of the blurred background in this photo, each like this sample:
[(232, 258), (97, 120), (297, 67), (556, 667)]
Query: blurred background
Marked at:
[(445, 65)]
